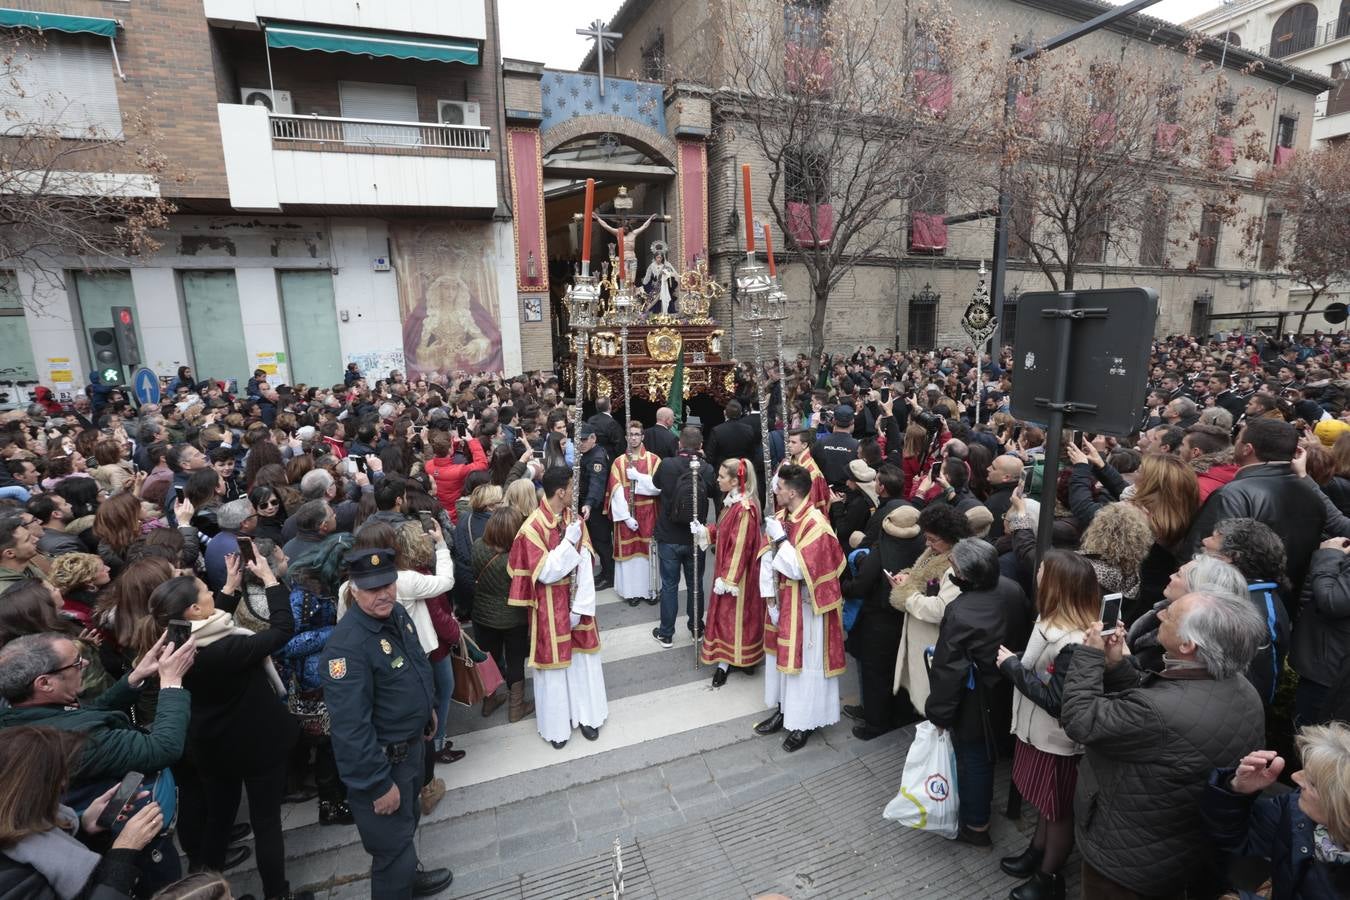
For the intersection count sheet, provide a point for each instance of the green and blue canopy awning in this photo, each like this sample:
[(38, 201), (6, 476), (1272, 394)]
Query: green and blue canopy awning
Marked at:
[(48, 21), (328, 39)]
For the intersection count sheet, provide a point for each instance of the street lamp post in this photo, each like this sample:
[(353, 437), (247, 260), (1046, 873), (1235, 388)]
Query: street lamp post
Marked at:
[(583, 305), (754, 289)]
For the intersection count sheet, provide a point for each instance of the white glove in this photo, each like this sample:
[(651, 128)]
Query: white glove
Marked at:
[(774, 529), (632, 474), (575, 619), (573, 533), (700, 533), (631, 523), (773, 612)]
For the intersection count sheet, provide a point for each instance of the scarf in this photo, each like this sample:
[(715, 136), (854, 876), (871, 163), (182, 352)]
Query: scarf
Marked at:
[(1327, 850), (221, 624), (58, 857), (1202, 464)]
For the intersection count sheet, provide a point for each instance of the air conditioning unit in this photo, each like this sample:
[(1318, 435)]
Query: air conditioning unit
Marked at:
[(457, 112), (274, 101)]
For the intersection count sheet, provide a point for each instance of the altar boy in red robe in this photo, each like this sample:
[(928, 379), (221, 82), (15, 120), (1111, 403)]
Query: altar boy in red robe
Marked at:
[(550, 569), (633, 506), (734, 630), (800, 571)]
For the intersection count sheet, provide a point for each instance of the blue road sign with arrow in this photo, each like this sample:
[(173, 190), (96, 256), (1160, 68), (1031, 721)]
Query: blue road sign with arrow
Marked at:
[(145, 384)]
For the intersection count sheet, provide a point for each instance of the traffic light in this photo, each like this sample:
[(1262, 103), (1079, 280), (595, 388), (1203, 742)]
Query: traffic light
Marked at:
[(124, 324), (107, 359)]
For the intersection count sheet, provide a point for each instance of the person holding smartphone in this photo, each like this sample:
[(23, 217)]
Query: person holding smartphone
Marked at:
[(1045, 760)]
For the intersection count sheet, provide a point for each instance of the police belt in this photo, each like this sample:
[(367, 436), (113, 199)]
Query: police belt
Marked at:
[(397, 752)]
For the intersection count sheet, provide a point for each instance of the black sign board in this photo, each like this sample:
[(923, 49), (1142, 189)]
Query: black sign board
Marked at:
[(1105, 370)]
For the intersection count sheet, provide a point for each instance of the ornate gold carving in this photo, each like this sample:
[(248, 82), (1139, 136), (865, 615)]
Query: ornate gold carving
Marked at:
[(603, 386), (698, 294), (729, 381), (659, 379), (663, 344)]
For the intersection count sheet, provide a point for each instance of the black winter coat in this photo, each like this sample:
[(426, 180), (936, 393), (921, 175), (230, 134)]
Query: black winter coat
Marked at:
[(113, 879), (239, 723), (1274, 829), (1321, 645), (973, 627)]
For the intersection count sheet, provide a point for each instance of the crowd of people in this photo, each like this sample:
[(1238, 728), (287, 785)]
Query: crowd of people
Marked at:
[(268, 592)]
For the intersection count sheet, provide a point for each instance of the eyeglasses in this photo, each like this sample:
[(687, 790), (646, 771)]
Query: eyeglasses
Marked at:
[(79, 664)]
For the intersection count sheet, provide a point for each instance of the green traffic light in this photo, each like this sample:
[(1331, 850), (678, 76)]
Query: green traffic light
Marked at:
[(111, 376)]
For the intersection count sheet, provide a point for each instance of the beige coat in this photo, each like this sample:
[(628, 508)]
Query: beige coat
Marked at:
[(923, 615), (113, 476), (1032, 724)]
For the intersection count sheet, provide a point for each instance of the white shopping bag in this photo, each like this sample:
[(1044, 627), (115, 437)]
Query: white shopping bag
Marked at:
[(927, 799)]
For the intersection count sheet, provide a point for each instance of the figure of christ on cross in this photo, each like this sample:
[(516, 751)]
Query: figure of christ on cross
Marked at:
[(629, 248)]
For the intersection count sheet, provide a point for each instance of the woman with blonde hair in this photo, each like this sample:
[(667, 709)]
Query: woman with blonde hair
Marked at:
[(79, 577), (522, 496), (1116, 543), (1045, 759), (1304, 834)]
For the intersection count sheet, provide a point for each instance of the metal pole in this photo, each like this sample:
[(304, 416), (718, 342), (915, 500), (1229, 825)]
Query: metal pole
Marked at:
[(580, 337), (1055, 430), (694, 588), (627, 393), (765, 425)]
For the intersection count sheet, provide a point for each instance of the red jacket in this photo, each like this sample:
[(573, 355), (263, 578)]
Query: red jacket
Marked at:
[(449, 476), (335, 447), (1214, 478)]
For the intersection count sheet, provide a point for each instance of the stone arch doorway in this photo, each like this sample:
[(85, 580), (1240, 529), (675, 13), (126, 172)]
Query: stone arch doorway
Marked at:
[(635, 173)]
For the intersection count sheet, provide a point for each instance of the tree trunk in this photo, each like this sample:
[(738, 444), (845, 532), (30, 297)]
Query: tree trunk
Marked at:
[(822, 297), (1312, 301), (1068, 278)]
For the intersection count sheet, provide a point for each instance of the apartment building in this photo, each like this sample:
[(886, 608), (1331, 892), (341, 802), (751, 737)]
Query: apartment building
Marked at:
[(915, 293), (344, 193), (1313, 35)]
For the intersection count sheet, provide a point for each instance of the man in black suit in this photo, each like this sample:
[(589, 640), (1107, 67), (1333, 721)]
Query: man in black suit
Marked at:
[(736, 438), (660, 438), (608, 433)]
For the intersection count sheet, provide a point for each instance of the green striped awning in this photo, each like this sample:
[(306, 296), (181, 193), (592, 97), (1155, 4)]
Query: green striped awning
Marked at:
[(371, 43), (44, 21)]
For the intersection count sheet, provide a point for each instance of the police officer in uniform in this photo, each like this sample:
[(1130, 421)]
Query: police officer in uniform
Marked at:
[(381, 698), (594, 479)]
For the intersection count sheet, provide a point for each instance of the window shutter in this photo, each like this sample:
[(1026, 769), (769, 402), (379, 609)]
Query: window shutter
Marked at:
[(386, 102), (69, 86)]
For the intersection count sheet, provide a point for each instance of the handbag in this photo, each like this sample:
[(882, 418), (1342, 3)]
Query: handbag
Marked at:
[(309, 710), (476, 673)]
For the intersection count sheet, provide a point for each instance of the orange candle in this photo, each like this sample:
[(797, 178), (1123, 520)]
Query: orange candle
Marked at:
[(586, 221), (749, 216), (768, 248), (621, 255)]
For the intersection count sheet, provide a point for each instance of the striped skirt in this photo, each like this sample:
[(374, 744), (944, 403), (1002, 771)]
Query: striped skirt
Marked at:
[(1045, 780)]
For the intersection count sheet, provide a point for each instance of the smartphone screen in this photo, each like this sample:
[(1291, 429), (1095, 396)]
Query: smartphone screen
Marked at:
[(246, 554), (178, 492), (1017, 432), (360, 463), (885, 394), (1027, 475), (126, 792), (1110, 612), (935, 471), (179, 631), (1077, 438)]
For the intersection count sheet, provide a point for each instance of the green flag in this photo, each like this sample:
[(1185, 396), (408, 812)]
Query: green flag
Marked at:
[(676, 399), (823, 379)]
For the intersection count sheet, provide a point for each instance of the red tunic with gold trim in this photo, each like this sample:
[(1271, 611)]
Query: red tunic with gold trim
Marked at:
[(822, 562), (553, 640), (734, 630), (630, 544)]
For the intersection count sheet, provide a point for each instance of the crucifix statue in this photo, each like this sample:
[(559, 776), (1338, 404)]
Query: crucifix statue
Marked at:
[(625, 221), (603, 42)]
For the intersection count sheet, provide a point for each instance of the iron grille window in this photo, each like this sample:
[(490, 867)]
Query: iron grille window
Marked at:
[(923, 319)]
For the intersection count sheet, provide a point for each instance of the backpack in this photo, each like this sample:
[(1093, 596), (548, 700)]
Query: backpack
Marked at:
[(684, 509)]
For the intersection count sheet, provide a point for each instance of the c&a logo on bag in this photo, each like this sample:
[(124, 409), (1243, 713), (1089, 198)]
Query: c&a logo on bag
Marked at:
[(937, 787)]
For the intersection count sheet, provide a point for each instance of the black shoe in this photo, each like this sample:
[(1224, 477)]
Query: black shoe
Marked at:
[(865, 732), (240, 832), (749, 670), (719, 677), (652, 601), (234, 856), (772, 724), (854, 712), (558, 745), (975, 838), (590, 732), (1042, 886), (1023, 865), (602, 583), (335, 813), (448, 754), (429, 884), (632, 601), (795, 740), (665, 642)]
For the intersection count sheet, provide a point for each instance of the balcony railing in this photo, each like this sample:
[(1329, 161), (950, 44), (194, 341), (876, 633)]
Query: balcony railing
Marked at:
[(1298, 42), (378, 133)]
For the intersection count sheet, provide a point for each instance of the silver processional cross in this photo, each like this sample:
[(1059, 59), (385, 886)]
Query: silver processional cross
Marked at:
[(602, 40)]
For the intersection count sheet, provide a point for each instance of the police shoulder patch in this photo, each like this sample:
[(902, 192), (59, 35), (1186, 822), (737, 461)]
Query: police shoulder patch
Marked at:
[(599, 467), (337, 668)]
